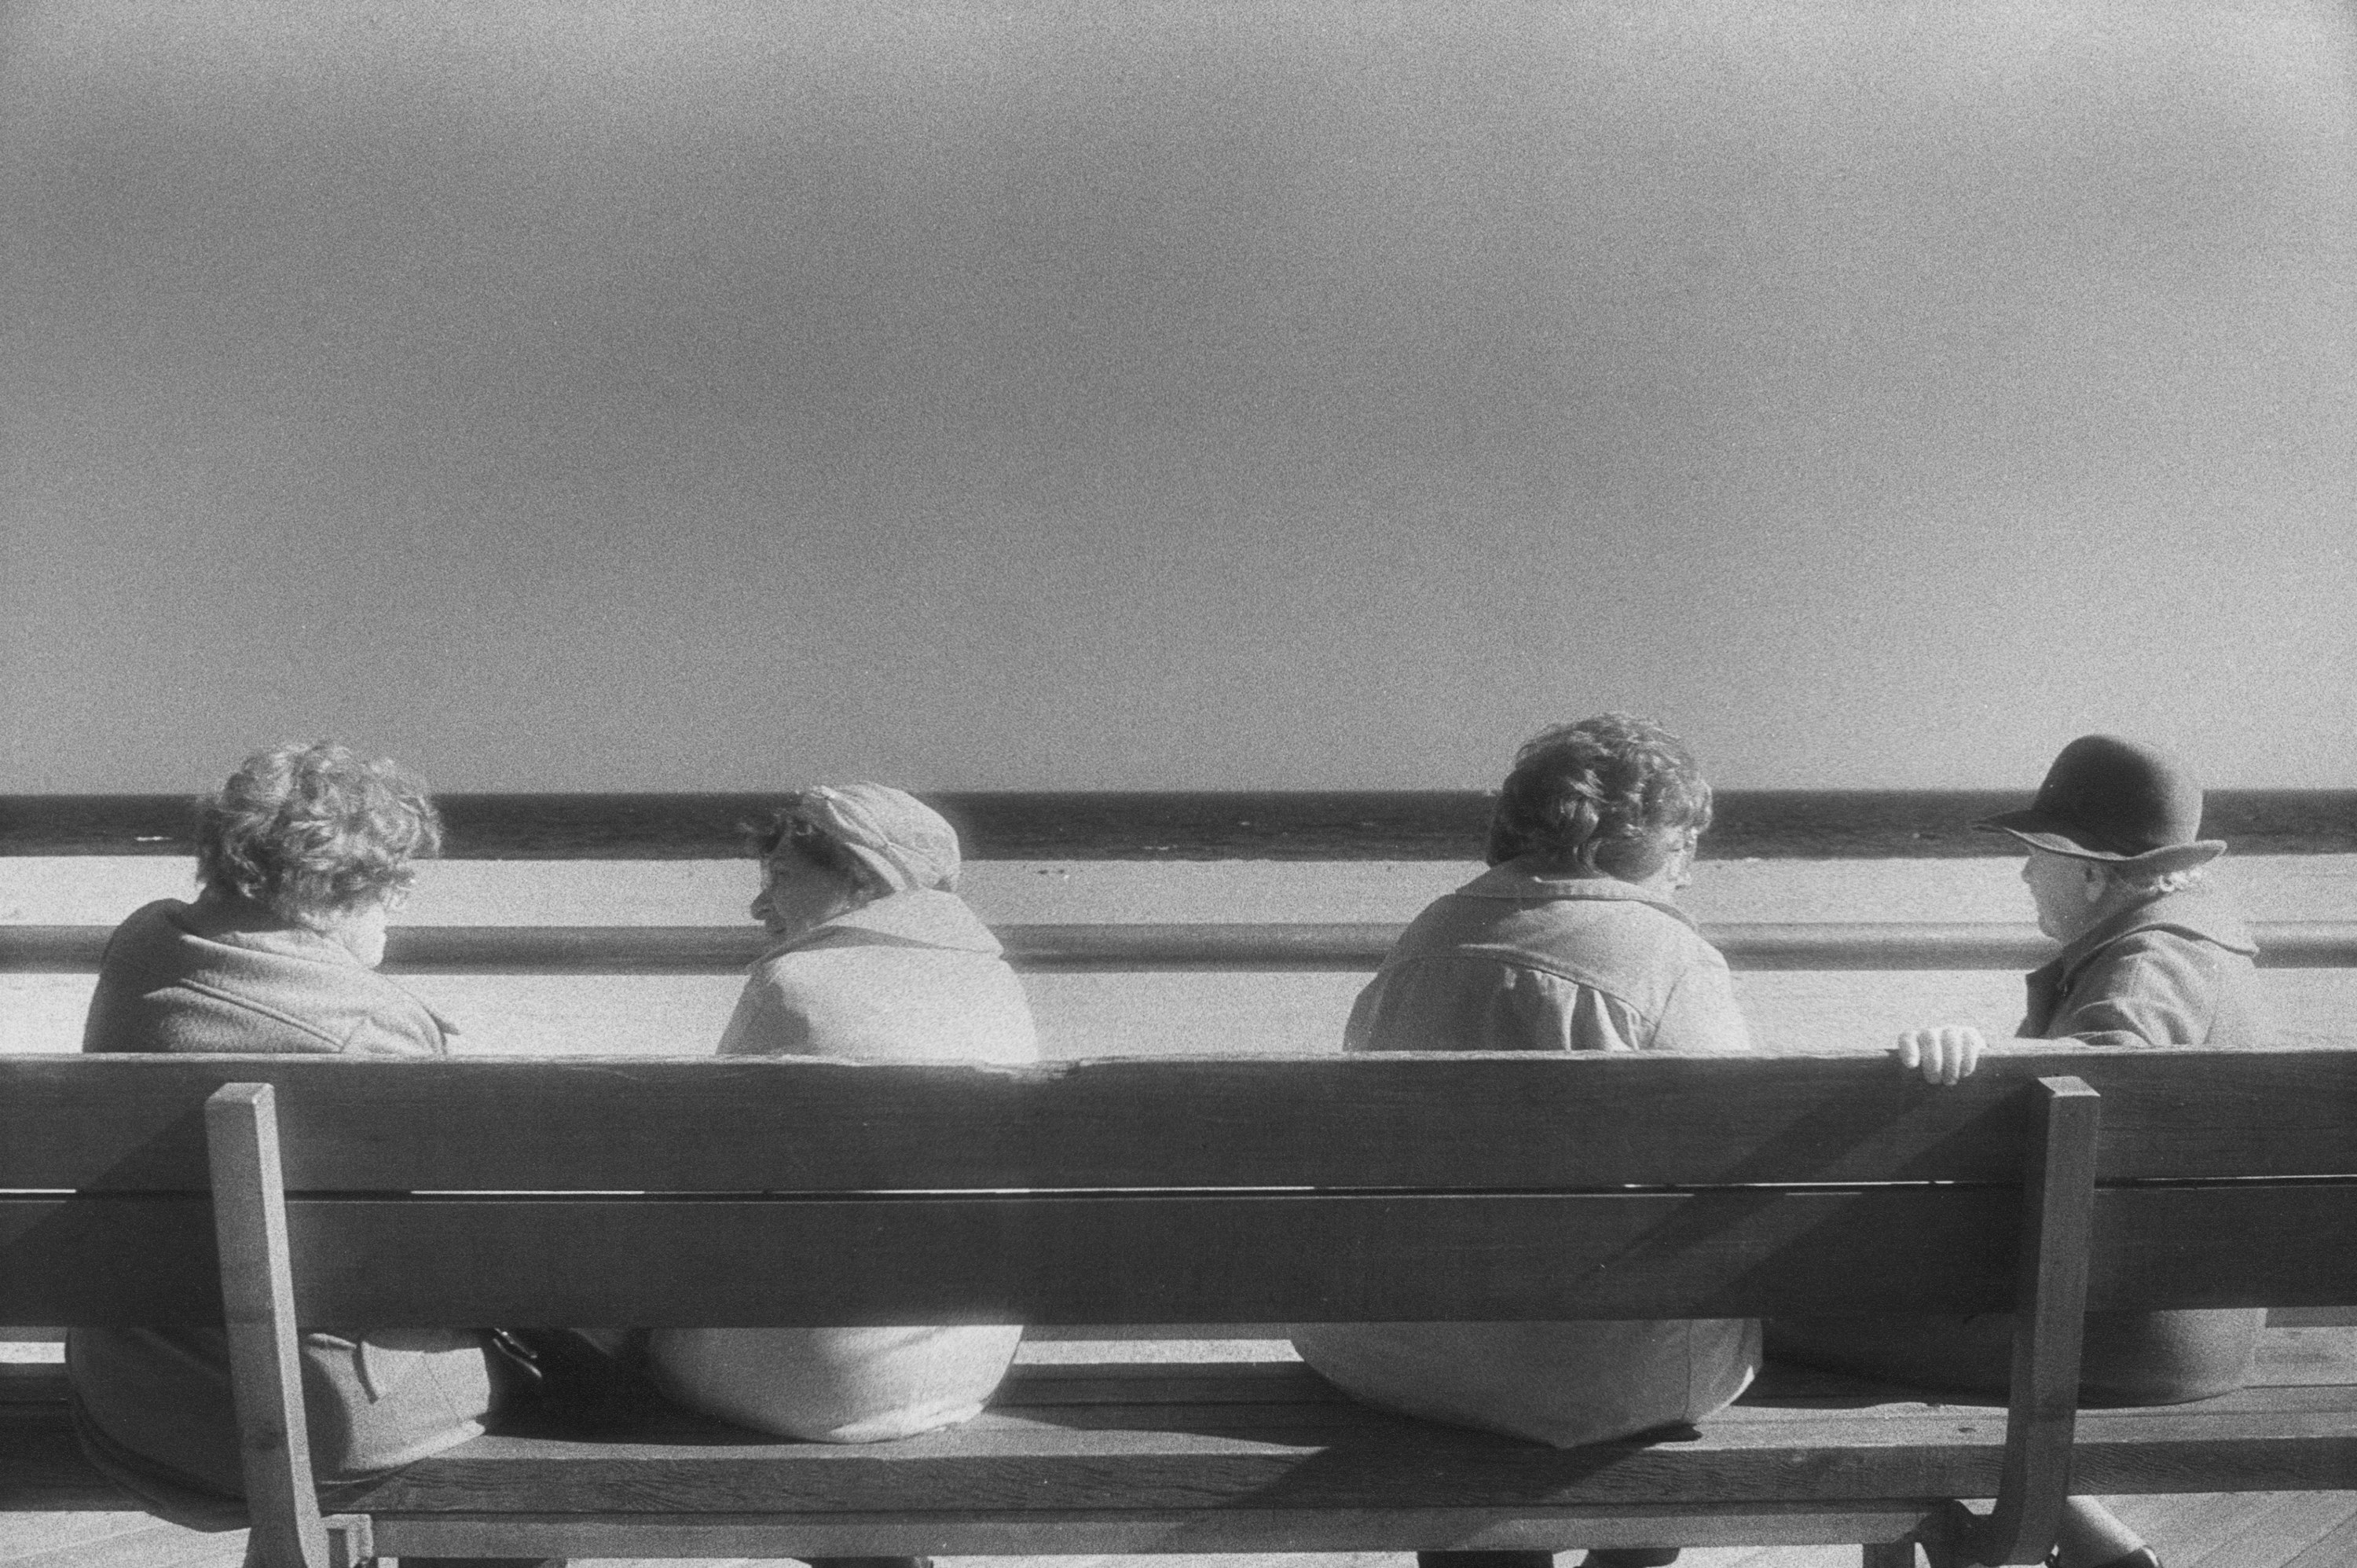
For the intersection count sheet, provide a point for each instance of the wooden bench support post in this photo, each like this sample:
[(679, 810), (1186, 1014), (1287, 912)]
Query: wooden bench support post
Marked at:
[(258, 1305), (2049, 1327)]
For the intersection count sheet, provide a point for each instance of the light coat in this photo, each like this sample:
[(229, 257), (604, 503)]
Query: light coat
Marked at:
[(1521, 959), (914, 976)]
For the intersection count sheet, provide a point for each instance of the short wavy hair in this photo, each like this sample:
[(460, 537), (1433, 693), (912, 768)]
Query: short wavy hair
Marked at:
[(2146, 884), (308, 829), (1617, 793)]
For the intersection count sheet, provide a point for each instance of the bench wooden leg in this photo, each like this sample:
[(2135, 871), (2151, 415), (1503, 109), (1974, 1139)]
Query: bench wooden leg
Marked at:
[(2049, 1326), (258, 1305), (1888, 1554)]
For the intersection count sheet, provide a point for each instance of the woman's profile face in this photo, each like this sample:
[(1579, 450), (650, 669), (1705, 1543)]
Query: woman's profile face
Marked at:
[(796, 895), (2060, 885)]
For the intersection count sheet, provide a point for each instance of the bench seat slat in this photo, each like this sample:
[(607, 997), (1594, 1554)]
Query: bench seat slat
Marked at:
[(987, 1534), (1012, 1463), (2234, 1415), (1062, 1469), (1457, 1122)]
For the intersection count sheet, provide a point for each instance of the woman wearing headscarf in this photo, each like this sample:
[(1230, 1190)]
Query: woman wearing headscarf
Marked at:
[(1572, 940), (875, 958), (300, 858)]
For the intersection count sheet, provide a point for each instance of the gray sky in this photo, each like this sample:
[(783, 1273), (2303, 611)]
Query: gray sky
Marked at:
[(684, 396)]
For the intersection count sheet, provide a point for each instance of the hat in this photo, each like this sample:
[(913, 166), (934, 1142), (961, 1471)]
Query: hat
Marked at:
[(894, 834), (2114, 801)]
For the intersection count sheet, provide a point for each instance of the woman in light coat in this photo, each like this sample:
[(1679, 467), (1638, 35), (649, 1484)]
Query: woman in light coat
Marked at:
[(875, 958), (1571, 941)]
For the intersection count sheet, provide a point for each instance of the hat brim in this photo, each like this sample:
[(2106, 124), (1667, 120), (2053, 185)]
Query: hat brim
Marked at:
[(2038, 831)]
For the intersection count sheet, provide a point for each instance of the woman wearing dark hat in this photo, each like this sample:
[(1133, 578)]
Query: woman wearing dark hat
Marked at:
[(2150, 956), (875, 958)]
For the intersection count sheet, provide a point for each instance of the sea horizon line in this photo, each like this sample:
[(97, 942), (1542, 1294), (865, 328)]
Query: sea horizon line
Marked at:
[(1225, 824)]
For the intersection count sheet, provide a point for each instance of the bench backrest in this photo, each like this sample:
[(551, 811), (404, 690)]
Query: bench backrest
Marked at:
[(772, 1192)]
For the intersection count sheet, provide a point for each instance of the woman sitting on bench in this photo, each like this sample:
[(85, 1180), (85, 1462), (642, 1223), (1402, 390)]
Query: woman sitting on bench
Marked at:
[(875, 958), (2149, 958), (300, 858), (1572, 941)]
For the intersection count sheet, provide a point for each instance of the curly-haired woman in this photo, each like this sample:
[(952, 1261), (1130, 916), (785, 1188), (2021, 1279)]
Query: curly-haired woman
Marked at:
[(300, 857), (1571, 941)]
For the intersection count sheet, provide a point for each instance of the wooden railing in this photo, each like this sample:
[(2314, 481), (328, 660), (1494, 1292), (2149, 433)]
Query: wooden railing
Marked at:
[(727, 950)]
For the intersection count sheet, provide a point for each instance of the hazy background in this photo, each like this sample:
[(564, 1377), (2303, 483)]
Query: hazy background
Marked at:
[(1032, 395)]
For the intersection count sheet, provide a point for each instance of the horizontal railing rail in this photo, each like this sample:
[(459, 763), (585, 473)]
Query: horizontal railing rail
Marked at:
[(1332, 947)]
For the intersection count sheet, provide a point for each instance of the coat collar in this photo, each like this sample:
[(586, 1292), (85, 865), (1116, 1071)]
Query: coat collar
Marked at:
[(920, 918), (1530, 881), (230, 924), (2195, 914)]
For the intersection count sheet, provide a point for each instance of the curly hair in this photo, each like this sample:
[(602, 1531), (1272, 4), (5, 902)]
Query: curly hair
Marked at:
[(306, 831), (1617, 792), (2146, 884)]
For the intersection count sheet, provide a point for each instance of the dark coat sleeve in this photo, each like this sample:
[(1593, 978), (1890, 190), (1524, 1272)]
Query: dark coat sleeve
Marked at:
[(2150, 988)]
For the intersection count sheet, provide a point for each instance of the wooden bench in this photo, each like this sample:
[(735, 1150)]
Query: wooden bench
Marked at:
[(267, 1191)]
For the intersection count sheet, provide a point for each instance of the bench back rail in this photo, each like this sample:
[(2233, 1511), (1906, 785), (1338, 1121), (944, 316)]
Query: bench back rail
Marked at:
[(1398, 1123)]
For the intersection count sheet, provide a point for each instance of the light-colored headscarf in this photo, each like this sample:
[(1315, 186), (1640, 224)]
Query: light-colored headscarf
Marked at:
[(900, 838)]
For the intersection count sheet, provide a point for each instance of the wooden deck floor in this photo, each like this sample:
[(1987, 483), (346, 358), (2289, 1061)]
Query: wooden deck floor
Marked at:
[(2263, 1530)]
